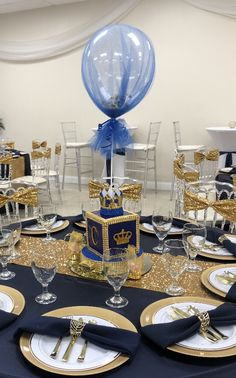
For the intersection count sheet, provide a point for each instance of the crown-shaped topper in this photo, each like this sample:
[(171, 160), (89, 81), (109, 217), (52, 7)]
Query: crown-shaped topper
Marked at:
[(122, 237), (111, 198)]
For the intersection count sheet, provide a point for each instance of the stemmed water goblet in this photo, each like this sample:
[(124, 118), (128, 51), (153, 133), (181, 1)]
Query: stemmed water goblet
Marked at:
[(175, 261), (47, 217), (116, 270), (44, 269), (194, 237), (13, 222), (91, 205), (162, 222), (6, 244)]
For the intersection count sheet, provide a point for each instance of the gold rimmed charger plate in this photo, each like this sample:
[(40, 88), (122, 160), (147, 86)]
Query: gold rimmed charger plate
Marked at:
[(16, 297), (144, 229), (205, 278), (81, 224), (111, 316), (218, 257), (43, 232), (153, 308)]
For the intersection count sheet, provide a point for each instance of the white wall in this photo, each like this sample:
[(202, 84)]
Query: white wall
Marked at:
[(195, 81)]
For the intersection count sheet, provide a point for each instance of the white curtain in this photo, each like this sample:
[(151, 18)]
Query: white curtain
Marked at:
[(223, 7), (28, 51)]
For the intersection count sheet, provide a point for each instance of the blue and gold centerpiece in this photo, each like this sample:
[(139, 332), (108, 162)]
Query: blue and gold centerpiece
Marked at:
[(111, 226)]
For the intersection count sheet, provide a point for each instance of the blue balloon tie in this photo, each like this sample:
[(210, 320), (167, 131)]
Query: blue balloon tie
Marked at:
[(110, 135)]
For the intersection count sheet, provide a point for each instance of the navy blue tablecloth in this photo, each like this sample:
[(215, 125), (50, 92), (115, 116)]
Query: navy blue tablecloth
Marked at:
[(71, 291)]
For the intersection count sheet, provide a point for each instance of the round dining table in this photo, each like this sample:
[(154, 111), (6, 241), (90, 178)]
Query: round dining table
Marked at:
[(224, 137)]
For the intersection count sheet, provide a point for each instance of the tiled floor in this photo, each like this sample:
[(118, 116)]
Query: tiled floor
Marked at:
[(72, 199)]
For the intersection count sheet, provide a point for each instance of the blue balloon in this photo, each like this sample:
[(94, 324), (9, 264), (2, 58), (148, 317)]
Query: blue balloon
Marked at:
[(118, 67)]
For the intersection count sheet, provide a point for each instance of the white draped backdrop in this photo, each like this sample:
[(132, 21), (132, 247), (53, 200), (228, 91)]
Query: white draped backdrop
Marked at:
[(31, 50)]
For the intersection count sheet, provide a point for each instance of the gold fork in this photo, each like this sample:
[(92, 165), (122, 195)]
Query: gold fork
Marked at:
[(76, 327), (82, 355), (216, 332)]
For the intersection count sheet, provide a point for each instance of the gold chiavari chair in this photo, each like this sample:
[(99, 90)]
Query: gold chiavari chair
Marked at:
[(5, 170), (55, 172)]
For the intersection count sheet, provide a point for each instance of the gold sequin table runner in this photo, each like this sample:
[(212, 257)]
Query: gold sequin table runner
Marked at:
[(156, 279)]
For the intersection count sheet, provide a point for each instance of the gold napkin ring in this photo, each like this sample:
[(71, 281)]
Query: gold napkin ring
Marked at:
[(222, 238), (204, 320)]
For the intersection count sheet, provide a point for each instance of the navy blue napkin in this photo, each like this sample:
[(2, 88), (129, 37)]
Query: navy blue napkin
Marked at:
[(6, 318), (231, 295), (166, 334), (213, 234), (119, 340)]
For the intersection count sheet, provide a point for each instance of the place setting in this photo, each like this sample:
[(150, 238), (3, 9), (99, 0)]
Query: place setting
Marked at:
[(221, 280)]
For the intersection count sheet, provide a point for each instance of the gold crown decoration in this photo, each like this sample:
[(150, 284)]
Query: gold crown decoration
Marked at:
[(123, 237), (111, 198)]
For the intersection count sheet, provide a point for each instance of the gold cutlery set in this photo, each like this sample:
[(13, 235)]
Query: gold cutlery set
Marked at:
[(210, 333), (76, 328), (227, 277)]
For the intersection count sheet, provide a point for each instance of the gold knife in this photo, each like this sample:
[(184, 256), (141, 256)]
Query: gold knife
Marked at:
[(76, 327)]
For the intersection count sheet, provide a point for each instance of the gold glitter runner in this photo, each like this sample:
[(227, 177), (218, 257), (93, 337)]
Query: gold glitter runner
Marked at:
[(156, 279)]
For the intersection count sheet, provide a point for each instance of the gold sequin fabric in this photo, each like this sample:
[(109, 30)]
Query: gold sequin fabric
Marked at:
[(156, 279)]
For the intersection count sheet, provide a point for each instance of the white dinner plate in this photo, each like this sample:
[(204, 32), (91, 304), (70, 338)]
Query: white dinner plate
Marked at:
[(149, 228), (35, 227), (215, 282), (220, 253)]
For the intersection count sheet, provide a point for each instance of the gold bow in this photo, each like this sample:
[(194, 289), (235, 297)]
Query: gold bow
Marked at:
[(58, 149), (37, 144), (41, 154), (129, 191), (226, 208), (181, 174), (10, 145), (27, 196), (212, 155), (6, 159)]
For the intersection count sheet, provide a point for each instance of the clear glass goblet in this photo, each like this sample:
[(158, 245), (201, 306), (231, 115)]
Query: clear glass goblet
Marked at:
[(13, 222), (6, 244), (194, 238), (133, 206), (175, 261), (47, 217), (162, 222), (44, 269), (116, 270), (92, 205)]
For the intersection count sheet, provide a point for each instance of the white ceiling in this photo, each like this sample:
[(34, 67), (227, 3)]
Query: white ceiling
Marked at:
[(7, 6)]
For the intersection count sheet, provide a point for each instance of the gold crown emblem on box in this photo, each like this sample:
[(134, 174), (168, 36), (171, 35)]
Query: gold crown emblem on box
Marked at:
[(111, 198), (122, 237)]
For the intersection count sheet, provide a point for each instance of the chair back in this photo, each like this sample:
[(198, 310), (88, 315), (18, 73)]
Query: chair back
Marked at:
[(57, 156), (153, 133), (6, 168), (207, 163), (177, 133), (40, 162), (212, 203), (69, 131), (12, 198), (38, 144)]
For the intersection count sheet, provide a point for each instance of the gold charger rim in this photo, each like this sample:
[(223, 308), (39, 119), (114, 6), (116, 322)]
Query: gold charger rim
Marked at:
[(43, 232), (218, 257), (17, 298), (80, 224), (149, 311), (205, 275), (142, 228), (115, 318)]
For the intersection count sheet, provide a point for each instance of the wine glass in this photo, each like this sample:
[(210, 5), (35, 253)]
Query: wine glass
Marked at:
[(44, 269), (175, 261), (116, 270), (47, 217), (162, 222), (194, 237), (13, 222), (91, 205), (134, 206), (6, 244)]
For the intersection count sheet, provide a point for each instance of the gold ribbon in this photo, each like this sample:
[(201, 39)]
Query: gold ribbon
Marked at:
[(41, 154), (27, 196), (37, 144), (6, 159), (181, 174), (226, 208), (10, 144), (58, 149), (129, 191), (212, 155)]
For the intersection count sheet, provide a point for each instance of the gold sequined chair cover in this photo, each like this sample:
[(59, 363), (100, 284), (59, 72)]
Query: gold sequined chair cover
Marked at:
[(206, 162), (211, 203), (183, 173), (12, 198)]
